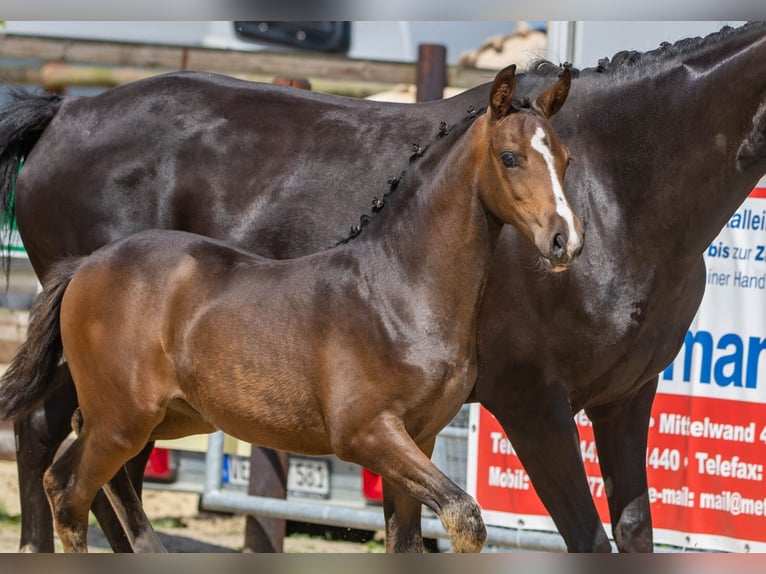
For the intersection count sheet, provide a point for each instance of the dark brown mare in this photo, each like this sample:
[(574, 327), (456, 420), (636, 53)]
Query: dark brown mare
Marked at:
[(666, 145), (366, 350)]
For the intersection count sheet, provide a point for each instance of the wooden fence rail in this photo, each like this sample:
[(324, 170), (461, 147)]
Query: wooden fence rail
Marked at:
[(54, 63)]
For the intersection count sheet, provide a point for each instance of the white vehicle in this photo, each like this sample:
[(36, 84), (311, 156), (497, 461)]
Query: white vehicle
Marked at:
[(374, 40)]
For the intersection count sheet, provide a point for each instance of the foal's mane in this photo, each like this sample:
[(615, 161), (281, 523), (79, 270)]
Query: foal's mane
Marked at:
[(627, 60)]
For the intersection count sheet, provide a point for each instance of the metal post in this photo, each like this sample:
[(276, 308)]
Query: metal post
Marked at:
[(431, 72)]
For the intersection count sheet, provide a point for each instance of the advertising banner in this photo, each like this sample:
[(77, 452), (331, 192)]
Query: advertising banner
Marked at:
[(707, 437)]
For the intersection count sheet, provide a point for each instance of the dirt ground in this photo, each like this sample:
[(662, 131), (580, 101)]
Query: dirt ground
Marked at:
[(177, 520)]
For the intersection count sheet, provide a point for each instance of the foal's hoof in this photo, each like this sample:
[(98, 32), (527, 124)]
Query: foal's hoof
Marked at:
[(463, 522)]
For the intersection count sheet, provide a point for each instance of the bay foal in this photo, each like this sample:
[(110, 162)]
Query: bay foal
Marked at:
[(366, 350)]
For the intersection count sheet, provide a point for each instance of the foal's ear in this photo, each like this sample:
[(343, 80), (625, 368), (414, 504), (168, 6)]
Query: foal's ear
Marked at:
[(550, 101), (501, 97)]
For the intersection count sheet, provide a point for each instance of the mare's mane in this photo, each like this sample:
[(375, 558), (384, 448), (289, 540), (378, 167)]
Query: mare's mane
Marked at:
[(627, 60)]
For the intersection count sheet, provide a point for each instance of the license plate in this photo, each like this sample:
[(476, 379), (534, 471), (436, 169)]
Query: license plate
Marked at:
[(308, 477), (236, 470)]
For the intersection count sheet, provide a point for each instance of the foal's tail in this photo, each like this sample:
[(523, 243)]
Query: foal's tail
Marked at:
[(22, 121), (29, 378)]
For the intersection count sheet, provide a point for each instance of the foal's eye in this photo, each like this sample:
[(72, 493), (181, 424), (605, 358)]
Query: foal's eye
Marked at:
[(509, 159)]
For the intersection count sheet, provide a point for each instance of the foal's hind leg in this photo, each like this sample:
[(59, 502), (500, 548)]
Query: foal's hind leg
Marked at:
[(38, 437), (126, 515), (116, 532), (385, 448), (70, 496), (73, 480), (127, 505)]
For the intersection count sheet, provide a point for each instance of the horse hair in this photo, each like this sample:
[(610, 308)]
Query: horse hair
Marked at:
[(628, 59), (753, 148), (27, 382), (444, 133), (22, 120)]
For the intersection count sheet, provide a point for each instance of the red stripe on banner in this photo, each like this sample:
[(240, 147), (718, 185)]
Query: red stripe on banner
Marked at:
[(758, 192)]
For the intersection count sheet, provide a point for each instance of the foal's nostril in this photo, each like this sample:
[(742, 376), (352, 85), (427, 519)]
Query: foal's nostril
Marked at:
[(559, 244)]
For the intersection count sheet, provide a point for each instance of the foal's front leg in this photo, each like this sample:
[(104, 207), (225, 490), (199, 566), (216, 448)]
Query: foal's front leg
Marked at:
[(403, 514), (385, 448)]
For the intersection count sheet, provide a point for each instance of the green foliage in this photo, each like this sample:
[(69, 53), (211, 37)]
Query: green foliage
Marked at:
[(8, 519), (375, 545), (169, 522)]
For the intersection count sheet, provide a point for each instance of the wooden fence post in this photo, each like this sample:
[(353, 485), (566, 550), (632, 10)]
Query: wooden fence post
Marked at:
[(431, 72), (268, 477)]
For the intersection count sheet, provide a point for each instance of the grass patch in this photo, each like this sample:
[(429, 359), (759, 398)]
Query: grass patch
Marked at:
[(375, 545), (169, 522), (8, 519)]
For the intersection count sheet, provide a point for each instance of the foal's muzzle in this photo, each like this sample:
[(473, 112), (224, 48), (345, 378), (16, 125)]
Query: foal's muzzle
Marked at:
[(564, 248)]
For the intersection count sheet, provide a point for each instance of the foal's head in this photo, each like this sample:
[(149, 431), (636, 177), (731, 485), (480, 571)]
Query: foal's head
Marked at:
[(523, 163)]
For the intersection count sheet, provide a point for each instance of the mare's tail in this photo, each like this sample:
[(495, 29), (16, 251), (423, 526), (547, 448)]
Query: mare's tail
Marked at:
[(23, 119), (29, 378)]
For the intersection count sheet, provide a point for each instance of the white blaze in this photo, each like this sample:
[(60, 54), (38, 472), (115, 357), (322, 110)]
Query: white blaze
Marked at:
[(562, 205)]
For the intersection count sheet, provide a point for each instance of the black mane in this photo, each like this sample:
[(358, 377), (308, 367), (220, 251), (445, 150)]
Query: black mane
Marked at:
[(404, 180), (629, 59)]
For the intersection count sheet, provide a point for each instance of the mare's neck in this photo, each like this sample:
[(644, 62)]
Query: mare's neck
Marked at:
[(679, 174)]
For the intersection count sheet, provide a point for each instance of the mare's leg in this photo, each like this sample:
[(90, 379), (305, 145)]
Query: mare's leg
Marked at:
[(385, 448), (621, 431), (402, 514), (119, 538), (38, 437), (541, 427)]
